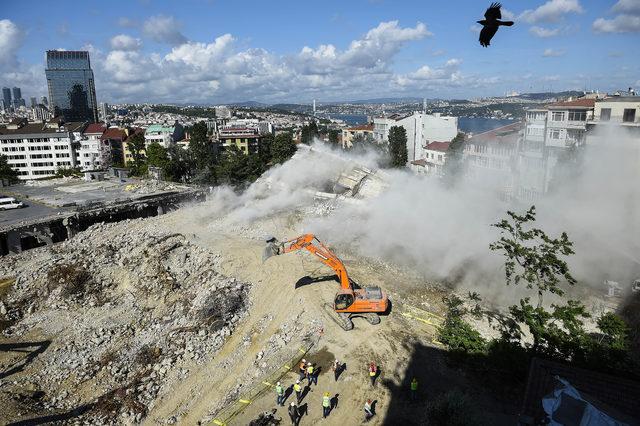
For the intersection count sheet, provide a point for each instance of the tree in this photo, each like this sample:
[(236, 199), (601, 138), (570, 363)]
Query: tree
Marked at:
[(179, 167), (454, 164), (398, 146), (156, 155), (203, 153), (334, 136), (264, 150), (309, 132), (137, 147), (531, 256), (6, 172), (283, 148), (237, 168), (361, 143)]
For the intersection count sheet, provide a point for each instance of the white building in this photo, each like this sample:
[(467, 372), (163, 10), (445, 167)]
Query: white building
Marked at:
[(38, 150), (421, 130), (434, 155), (90, 153), (548, 133), (165, 135)]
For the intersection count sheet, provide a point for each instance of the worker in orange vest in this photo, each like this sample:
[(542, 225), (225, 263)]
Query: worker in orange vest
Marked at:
[(302, 369)]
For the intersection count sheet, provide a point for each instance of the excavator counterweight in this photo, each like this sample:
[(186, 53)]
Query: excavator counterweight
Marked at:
[(367, 302)]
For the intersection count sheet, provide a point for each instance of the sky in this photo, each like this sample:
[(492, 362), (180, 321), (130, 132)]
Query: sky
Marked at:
[(215, 51)]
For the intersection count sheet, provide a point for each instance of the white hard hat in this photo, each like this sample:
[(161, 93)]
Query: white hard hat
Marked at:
[(308, 363), (278, 384), (293, 403), (298, 381), (304, 360)]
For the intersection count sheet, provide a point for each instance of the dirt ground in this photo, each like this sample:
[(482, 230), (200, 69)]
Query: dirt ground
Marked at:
[(295, 290)]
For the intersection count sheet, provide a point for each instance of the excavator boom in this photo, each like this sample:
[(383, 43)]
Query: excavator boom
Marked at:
[(365, 301)]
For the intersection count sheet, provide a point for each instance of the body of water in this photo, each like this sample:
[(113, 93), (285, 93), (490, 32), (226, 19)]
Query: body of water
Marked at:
[(465, 124), (477, 125), (350, 119)]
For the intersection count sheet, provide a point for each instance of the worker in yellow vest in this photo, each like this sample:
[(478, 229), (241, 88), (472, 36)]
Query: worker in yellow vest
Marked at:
[(298, 389), (279, 394), (414, 389), (311, 375), (326, 405)]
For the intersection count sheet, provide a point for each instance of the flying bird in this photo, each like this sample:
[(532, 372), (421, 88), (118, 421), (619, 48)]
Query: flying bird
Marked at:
[(491, 23)]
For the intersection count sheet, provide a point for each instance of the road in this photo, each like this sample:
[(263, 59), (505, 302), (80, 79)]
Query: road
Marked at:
[(34, 210)]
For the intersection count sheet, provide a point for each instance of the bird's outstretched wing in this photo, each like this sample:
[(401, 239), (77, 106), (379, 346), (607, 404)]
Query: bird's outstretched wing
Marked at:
[(487, 34), (493, 12)]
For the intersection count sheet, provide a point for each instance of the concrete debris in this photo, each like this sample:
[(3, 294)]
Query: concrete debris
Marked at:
[(131, 308)]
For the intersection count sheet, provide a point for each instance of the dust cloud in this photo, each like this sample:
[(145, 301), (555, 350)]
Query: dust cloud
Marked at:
[(443, 233)]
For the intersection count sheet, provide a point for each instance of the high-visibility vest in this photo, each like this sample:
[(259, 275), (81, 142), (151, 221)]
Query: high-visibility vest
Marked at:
[(297, 387), (414, 385), (326, 402), (310, 369), (279, 390), (372, 371)]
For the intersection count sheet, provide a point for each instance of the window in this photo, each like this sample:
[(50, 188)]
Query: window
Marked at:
[(577, 115), (605, 114), (43, 164), (557, 116), (554, 134), (629, 115), (439, 157), (32, 156)]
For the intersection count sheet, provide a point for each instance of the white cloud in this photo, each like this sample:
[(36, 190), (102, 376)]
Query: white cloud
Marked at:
[(10, 40), (550, 53), (627, 6), (164, 29), (373, 51), (475, 28), (125, 42), (619, 24), (507, 14), (544, 32), (551, 11)]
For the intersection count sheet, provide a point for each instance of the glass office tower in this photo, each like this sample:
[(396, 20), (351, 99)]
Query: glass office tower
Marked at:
[(72, 92)]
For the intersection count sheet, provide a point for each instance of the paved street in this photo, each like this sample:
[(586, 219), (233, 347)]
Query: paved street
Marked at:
[(33, 211)]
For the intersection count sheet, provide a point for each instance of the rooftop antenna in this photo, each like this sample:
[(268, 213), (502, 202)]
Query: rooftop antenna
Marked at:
[(314, 107)]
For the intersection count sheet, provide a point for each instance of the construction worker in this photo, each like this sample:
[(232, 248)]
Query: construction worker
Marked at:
[(368, 410), (311, 375), (414, 389), (373, 372), (298, 389), (326, 405), (279, 394), (337, 368), (294, 413), (303, 369)]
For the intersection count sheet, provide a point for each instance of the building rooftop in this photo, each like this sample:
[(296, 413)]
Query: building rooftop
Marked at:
[(160, 128), (438, 146), (504, 134), (578, 103), (40, 128), (97, 128), (114, 133), (362, 128), (621, 99)]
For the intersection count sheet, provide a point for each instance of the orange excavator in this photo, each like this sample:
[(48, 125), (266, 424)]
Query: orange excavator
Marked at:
[(350, 301)]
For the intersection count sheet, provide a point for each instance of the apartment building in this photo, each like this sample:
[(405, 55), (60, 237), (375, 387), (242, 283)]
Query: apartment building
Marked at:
[(165, 135), (90, 153), (247, 139), (38, 150), (421, 129), (348, 135)]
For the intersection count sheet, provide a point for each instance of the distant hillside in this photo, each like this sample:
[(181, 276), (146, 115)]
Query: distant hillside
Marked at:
[(547, 95)]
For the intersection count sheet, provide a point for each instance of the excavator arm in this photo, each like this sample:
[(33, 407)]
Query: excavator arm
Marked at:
[(310, 243)]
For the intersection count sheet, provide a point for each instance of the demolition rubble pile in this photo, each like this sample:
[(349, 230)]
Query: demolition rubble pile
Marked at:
[(125, 310)]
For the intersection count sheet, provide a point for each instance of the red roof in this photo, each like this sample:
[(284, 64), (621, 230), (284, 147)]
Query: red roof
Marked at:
[(584, 103), (95, 128), (438, 146), (363, 127), (508, 133), (114, 133)]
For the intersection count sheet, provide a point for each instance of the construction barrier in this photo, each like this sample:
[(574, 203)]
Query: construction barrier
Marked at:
[(226, 415), (424, 317)]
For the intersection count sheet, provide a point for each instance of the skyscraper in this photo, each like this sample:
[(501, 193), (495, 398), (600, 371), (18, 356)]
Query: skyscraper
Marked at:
[(72, 92), (44, 101), (6, 97), (34, 102), (17, 93)]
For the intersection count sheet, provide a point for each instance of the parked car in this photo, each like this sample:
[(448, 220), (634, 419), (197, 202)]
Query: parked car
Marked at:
[(9, 203)]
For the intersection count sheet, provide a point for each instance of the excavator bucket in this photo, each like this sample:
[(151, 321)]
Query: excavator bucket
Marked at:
[(271, 249)]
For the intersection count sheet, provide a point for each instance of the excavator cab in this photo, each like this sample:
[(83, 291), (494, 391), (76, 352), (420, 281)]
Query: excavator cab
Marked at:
[(343, 301)]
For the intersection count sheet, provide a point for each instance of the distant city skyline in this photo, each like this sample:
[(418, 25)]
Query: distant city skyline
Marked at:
[(215, 52)]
